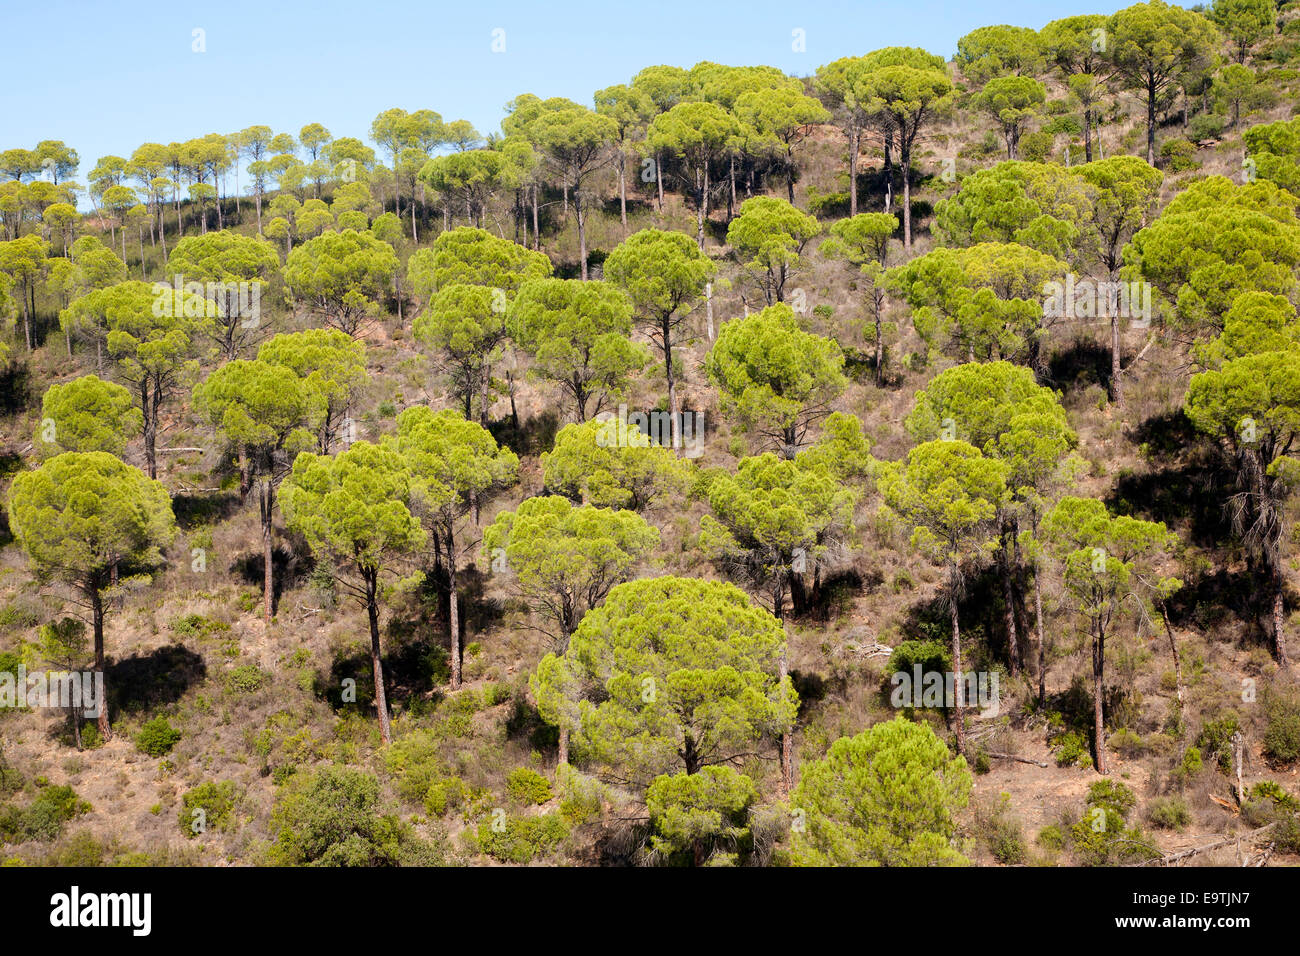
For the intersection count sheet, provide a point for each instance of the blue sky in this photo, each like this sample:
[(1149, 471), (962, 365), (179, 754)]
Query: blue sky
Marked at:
[(105, 77)]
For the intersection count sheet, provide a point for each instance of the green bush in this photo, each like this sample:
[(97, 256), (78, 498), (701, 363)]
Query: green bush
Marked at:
[(1169, 813), (44, 817), (521, 839), (157, 737), (1036, 147), (1178, 155), (1282, 735), (332, 817), (1050, 837), (527, 787), (247, 678), (444, 795), (1113, 795), (1215, 740), (209, 806), (196, 625), (1072, 750)]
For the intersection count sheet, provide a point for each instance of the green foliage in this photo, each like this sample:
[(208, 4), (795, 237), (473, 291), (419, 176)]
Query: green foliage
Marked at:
[(527, 787), (565, 559), (1215, 740), (1281, 741), (1184, 256), (668, 672), (86, 414), (208, 807), (775, 519), (774, 378), (521, 839), (885, 797), (593, 463), (332, 817), (577, 333), (247, 679), (768, 239), (341, 275), (43, 818), (1169, 813), (699, 810), (982, 302), (157, 737)]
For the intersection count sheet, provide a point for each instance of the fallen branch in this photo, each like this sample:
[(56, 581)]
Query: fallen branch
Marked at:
[(165, 450), (1193, 851), (1036, 763)]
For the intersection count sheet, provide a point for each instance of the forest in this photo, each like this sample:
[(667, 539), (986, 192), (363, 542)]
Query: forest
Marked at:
[(890, 465)]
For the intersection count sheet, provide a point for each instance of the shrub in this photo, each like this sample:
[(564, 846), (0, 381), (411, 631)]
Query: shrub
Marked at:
[(157, 737), (1113, 795), (525, 787), (196, 625), (44, 817), (332, 817), (247, 678), (1072, 750), (1051, 838), (209, 806), (1282, 735), (521, 839), (1215, 740), (1036, 147), (1169, 813), (1178, 155), (444, 795)]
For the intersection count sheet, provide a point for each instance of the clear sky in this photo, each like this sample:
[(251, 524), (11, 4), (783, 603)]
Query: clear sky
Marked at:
[(107, 76)]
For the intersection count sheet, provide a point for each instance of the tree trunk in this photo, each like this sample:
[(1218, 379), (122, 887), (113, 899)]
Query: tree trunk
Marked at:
[(1098, 691), (150, 430), (1279, 632), (787, 744), (1173, 649), (453, 615), (958, 690), (1087, 135), (853, 169), (267, 505), (97, 621), (1042, 644), (1151, 121), (622, 189), (906, 158), (659, 179), (673, 411), (381, 698), (1116, 386), (1008, 597), (562, 757), (582, 233)]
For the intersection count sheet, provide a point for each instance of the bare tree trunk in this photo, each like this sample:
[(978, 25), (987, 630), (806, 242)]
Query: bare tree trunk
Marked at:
[(582, 233), (267, 504), (1116, 385), (1098, 694), (381, 698), (1279, 631), (622, 189), (1173, 649), (787, 745), (958, 689), (854, 136), (97, 622), (454, 610), (1042, 644)]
